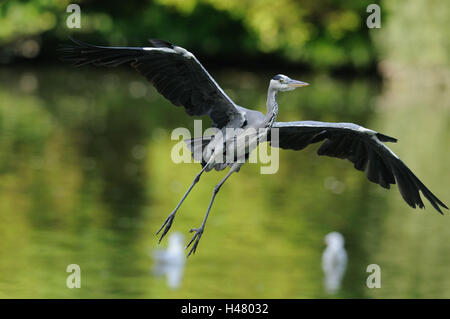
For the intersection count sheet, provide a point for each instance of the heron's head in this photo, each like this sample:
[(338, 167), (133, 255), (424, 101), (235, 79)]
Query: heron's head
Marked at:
[(282, 82)]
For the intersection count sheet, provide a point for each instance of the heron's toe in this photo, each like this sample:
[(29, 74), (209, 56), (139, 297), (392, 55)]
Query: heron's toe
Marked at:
[(195, 239)]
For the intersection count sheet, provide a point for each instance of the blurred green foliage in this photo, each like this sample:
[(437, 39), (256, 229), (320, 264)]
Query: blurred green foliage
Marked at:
[(323, 34), (417, 34)]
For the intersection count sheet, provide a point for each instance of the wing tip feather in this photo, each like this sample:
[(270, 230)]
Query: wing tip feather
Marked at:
[(386, 138)]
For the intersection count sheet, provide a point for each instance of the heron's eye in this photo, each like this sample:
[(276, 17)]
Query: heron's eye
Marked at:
[(282, 80)]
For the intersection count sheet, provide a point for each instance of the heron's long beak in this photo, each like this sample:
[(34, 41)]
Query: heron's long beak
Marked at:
[(296, 84)]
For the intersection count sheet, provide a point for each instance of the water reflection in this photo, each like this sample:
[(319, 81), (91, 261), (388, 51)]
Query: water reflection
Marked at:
[(86, 178), (171, 261), (334, 262)]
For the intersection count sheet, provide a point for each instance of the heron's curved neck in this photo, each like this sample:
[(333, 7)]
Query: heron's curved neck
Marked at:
[(272, 107)]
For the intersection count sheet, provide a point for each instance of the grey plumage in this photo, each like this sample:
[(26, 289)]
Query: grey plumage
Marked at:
[(181, 78)]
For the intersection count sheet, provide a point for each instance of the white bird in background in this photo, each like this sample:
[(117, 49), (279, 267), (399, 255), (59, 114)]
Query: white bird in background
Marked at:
[(334, 262), (171, 262)]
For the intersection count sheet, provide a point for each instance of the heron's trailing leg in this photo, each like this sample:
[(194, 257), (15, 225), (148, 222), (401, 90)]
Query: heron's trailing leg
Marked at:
[(199, 231), (169, 219)]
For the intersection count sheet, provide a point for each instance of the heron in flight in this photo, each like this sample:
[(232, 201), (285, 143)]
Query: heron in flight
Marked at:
[(179, 76)]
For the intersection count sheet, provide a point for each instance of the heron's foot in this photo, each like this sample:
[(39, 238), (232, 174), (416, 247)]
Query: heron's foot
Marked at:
[(167, 224), (198, 234)]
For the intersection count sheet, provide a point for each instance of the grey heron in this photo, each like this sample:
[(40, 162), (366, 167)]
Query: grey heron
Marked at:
[(179, 76)]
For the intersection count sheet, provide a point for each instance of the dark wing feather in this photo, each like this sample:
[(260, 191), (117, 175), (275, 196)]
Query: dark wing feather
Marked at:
[(364, 148), (175, 73)]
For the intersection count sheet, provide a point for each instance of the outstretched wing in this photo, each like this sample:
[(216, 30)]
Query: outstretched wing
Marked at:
[(175, 72), (364, 148)]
